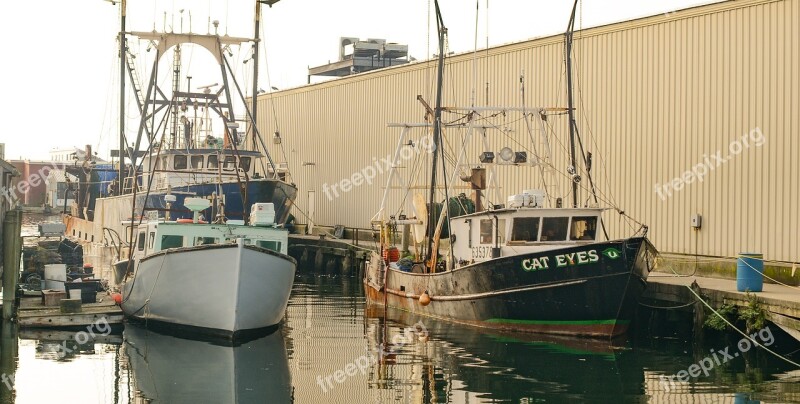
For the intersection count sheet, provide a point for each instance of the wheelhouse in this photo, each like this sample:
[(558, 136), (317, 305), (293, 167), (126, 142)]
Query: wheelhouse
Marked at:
[(153, 237), (181, 167), (504, 232)]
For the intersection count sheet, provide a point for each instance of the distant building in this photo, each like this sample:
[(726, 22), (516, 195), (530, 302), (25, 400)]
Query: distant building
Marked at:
[(358, 56), (60, 191), (34, 173), (72, 154)]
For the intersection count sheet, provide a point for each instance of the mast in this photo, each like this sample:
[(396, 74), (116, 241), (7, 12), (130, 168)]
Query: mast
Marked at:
[(255, 71), (436, 130), (571, 106), (122, 47)]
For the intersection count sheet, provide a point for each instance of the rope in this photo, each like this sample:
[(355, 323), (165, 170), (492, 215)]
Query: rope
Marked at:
[(668, 308), (755, 343), (711, 260), (147, 301), (766, 276)]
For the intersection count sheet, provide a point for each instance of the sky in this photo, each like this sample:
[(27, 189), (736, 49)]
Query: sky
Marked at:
[(60, 67)]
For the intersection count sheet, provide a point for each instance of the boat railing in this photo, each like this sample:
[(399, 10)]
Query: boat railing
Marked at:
[(114, 240)]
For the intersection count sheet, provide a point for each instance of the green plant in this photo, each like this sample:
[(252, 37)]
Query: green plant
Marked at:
[(715, 322), (753, 314)]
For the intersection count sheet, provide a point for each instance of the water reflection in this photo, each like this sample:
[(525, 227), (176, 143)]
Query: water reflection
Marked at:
[(330, 330), (9, 350), (168, 369), (316, 357)]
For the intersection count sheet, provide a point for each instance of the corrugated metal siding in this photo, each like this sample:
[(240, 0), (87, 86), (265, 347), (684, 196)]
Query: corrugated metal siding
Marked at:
[(655, 96)]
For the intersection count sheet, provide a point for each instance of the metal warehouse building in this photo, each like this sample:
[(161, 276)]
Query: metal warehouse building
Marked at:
[(716, 86)]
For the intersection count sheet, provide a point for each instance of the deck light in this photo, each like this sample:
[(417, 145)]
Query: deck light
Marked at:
[(506, 154), (487, 157)]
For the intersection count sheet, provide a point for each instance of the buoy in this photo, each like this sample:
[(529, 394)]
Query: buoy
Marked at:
[(424, 299), (117, 298)]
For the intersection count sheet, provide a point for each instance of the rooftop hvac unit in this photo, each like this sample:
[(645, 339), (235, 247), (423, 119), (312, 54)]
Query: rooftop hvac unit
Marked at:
[(343, 42)]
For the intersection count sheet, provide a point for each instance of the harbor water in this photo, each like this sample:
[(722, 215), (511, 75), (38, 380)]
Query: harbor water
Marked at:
[(332, 348)]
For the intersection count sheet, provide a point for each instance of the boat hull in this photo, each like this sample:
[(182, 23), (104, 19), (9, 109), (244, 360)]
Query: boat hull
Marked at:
[(218, 290), (589, 290)]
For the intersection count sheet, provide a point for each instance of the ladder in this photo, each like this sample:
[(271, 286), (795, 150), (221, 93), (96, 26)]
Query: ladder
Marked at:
[(137, 91)]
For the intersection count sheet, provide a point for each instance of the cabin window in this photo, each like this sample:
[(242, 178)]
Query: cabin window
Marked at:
[(486, 231), (229, 164), (140, 241), (180, 162), (554, 228), (151, 240), (269, 245), (212, 161), (197, 162), (525, 229), (205, 240), (171, 241), (244, 163), (583, 228)]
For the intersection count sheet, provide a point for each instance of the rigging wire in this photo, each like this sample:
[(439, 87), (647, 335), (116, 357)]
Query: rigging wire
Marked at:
[(428, 57), (271, 100), (475, 55), (109, 104)]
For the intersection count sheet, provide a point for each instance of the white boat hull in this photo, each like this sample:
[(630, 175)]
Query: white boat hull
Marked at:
[(221, 289)]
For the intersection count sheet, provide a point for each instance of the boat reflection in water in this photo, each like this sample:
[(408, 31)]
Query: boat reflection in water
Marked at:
[(167, 369), (460, 364), (444, 367)]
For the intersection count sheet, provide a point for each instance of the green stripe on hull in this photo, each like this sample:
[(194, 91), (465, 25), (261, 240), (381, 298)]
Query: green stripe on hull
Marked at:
[(556, 322)]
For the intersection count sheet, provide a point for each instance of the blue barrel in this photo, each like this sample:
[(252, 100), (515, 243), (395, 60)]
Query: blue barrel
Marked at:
[(750, 272)]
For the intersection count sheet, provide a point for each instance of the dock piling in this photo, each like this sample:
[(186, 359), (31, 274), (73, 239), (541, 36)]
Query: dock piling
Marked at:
[(12, 249)]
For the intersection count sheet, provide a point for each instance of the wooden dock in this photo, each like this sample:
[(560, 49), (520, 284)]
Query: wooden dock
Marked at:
[(327, 254), (33, 313), (781, 302)]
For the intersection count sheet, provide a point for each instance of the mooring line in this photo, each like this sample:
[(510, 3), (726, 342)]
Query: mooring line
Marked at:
[(756, 343), (668, 308), (766, 276)]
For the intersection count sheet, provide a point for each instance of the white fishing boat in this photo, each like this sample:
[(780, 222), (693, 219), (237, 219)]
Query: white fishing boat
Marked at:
[(227, 280)]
